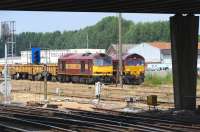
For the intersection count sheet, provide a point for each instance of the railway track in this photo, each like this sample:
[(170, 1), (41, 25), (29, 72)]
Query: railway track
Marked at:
[(21, 119)]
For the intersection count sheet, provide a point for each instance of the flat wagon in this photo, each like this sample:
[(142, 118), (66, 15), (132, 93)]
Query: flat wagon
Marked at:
[(30, 71)]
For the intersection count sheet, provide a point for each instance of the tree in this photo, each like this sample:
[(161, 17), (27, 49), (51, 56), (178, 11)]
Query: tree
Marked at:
[(100, 35)]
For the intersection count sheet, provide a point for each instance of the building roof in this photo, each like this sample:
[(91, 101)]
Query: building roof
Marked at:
[(164, 45), (161, 45), (125, 48), (130, 6), (124, 56)]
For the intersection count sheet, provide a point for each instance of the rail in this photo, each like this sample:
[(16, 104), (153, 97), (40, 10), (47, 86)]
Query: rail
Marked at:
[(79, 120)]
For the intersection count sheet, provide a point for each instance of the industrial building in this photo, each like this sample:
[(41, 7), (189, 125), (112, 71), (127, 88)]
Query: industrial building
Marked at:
[(51, 56), (11, 60), (156, 52), (161, 52), (47, 56)]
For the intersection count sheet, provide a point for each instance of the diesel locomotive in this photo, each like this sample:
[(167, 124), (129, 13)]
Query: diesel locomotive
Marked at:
[(133, 68), (84, 68)]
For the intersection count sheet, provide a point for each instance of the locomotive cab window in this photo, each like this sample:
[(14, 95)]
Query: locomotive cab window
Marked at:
[(103, 62), (134, 62)]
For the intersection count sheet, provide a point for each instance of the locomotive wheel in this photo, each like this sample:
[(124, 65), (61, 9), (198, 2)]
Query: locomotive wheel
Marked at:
[(12, 76), (102, 80), (24, 76), (75, 79), (139, 81), (82, 80), (18, 76), (38, 77), (90, 81), (30, 77), (53, 78), (126, 80), (60, 78), (15, 77), (96, 79), (49, 77), (33, 77), (67, 79)]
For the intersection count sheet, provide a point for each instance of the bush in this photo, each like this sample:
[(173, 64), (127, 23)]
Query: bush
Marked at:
[(158, 79)]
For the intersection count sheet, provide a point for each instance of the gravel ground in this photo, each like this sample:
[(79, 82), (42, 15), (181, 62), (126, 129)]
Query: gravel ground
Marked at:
[(82, 96)]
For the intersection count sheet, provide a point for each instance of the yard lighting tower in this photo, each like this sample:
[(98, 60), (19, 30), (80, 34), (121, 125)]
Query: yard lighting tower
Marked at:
[(120, 52), (7, 37)]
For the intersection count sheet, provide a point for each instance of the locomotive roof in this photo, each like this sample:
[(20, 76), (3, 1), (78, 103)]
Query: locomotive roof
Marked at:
[(82, 56), (115, 58)]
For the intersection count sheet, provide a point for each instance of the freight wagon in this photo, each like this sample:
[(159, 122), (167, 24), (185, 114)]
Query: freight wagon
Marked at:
[(29, 71)]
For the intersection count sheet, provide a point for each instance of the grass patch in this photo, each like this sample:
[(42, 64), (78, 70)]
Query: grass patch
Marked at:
[(156, 79)]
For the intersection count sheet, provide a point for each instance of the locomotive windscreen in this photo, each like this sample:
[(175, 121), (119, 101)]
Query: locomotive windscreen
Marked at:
[(135, 62), (103, 61)]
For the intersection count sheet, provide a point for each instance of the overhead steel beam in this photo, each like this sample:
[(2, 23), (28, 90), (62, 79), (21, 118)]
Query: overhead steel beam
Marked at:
[(129, 6)]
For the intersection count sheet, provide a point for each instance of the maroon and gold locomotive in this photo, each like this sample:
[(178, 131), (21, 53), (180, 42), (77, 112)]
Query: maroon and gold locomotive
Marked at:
[(85, 68), (133, 68)]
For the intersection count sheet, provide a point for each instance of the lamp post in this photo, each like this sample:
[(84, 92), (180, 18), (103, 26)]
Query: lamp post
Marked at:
[(120, 53)]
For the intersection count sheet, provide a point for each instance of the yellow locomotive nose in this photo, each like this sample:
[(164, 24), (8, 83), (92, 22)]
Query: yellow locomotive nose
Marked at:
[(102, 70), (134, 70)]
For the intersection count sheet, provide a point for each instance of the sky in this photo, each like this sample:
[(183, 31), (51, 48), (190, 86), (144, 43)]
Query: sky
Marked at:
[(64, 21)]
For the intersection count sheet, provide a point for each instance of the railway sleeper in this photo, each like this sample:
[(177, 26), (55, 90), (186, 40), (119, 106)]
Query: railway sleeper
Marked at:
[(61, 122)]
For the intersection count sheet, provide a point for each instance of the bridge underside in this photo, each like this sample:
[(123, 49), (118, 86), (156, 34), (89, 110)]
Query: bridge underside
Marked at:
[(131, 6), (184, 32)]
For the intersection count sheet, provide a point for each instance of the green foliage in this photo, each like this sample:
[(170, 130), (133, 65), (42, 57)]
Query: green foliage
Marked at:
[(147, 32), (101, 35), (156, 79)]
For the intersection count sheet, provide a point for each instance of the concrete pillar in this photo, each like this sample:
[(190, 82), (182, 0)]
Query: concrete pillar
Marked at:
[(184, 40)]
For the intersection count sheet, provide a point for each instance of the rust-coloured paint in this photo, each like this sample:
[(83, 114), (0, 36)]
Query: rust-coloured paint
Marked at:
[(78, 64)]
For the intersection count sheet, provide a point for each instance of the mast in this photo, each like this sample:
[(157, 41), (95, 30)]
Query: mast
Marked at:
[(120, 52)]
